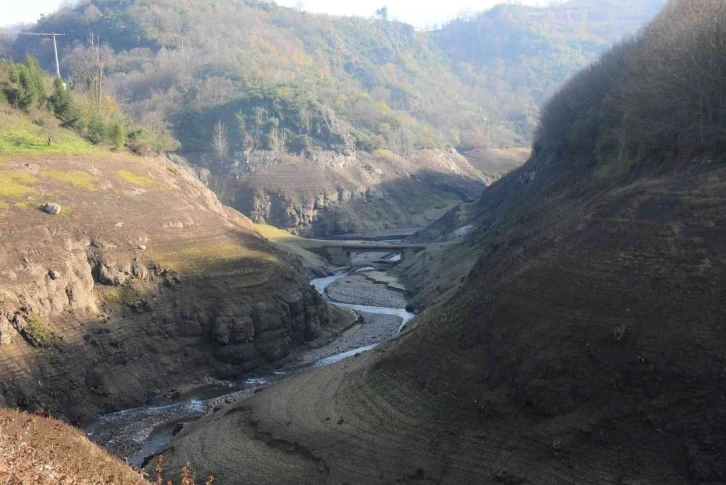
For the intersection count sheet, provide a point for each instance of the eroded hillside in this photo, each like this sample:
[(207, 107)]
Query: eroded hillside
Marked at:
[(585, 345), (324, 193), (143, 281), (323, 124)]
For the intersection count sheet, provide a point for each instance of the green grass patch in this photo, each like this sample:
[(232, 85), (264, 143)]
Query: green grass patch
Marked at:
[(224, 256), (76, 178), (66, 211), (118, 297), (23, 204), (16, 184), (138, 180), (273, 233), (20, 136), (38, 332)]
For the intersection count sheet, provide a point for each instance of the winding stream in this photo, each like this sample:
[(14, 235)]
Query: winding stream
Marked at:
[(321, 284), (145, 431)]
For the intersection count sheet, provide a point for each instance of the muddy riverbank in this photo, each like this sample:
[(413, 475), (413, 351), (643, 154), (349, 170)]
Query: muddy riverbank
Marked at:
[(137, 434), (358, 289)]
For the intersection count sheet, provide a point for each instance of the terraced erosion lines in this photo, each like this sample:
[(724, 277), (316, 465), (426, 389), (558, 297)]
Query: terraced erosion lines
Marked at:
[(143, 282), (323, 194), (584, 346)]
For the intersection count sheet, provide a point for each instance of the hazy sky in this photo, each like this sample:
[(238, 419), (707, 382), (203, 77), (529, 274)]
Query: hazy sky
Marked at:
[(420, 13)]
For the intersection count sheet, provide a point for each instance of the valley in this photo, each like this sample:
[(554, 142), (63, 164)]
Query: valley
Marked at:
[(242, 243), (142, 433)]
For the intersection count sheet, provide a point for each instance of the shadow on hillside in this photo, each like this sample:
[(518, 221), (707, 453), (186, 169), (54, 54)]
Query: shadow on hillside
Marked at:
[(220, 323), (407, 201)]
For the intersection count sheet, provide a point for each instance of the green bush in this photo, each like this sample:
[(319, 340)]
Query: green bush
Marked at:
[(141, 142), (61, 101), (37, 332), (26, 86), (117, 135), (299, 143), (97, 130)]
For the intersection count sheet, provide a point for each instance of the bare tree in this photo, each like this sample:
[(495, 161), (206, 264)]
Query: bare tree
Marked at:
[(220, 142), (100, 63)]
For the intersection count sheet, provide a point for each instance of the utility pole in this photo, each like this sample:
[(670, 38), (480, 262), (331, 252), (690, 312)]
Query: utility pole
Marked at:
[(55, 47)]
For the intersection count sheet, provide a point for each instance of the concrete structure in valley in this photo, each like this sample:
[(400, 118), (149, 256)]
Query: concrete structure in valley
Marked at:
[(340, 253)]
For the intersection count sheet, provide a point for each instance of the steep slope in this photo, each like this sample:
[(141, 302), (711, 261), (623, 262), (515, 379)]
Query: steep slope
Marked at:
[(324, 193), (143, 282), (265, 96), (586, 345), (514, 57), (29, 454)]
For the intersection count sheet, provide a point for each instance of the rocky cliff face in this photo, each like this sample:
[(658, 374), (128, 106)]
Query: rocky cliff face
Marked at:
[(144, 281), (322, 193)]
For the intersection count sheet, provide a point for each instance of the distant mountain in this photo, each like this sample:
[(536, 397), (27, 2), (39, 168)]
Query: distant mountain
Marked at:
[(263, 96), (477, 81), (513, 57)]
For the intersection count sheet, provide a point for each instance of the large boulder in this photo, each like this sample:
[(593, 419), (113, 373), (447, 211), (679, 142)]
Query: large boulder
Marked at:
[(51, 208)]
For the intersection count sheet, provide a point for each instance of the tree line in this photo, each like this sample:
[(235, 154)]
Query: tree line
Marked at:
[(27, 87), (657, 95)]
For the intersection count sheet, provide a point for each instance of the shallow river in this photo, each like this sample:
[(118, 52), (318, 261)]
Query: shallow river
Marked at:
[(145, 431)]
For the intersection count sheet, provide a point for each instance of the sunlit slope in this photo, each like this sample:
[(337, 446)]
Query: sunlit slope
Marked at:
[(142, 282), (39, 450), (585, 345)]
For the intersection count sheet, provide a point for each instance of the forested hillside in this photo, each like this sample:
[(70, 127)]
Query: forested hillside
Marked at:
[(514, 57), (323, 124), (475, 82), (387, 81), (657, 97)]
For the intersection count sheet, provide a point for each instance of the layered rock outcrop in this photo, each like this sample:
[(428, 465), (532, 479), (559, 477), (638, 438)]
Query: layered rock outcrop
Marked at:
[(144, 282), (323, 193)]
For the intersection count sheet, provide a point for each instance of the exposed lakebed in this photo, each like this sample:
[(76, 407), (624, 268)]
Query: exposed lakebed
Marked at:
[(145, 431)]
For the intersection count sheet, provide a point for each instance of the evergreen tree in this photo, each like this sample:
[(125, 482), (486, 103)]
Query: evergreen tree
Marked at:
[(117, 135), (28, 84), (61, 100)]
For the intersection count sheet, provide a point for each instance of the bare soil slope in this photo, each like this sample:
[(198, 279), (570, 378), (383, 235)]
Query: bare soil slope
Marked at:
[(586, 347), (143, 281), (327, 193)]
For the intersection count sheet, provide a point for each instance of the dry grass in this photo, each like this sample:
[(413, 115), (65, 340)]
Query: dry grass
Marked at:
[(15, 184), (292, 244), (35, 450), (187, 477), (24, 204), (38, 450), (226, 256), (38, 331), (272, 233)]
